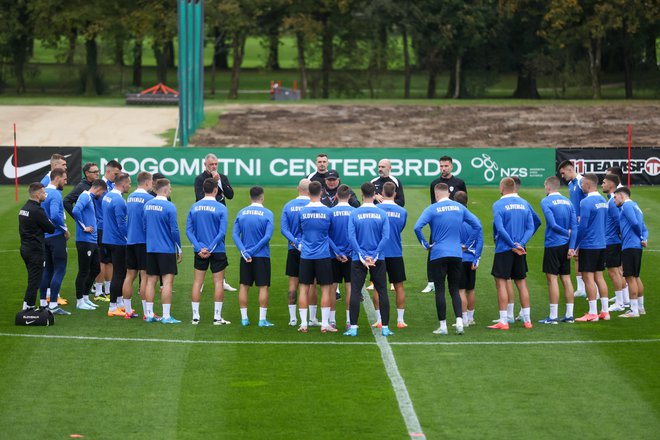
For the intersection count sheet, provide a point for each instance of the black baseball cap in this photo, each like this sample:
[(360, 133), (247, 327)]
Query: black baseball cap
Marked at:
[(332, 174)]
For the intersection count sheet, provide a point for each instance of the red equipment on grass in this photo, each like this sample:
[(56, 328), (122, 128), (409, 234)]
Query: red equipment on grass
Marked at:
[(159, 94)]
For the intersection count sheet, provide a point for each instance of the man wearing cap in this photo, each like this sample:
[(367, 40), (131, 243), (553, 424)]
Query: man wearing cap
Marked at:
[(329, 195)]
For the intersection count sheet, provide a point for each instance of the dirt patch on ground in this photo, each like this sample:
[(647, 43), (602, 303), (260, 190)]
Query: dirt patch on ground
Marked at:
[(433, 126)]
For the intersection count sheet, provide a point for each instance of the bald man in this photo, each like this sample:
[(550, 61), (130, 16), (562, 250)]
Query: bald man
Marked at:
[(384, 176)]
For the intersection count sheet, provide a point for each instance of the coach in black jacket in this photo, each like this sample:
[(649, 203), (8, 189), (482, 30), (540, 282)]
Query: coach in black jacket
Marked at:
[(384, 170), (225, 191), (32, 224), (91, 172)]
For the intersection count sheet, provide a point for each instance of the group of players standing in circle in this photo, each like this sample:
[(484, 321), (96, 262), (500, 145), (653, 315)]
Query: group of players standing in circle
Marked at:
[(332, 239)]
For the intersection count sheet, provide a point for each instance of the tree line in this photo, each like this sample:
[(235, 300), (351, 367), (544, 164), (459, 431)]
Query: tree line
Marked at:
[(354, 39)]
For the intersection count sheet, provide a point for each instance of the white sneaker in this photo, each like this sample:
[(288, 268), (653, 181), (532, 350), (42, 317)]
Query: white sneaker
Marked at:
[(580, 294), (220, 322), (616, 308), (642, 311), (392, 287), (459, 330), (195, 321), (84, 306), (314, 323), (440, 331), (430, 287), (91, 304), (227, 287), (293, 323), (370, 286)]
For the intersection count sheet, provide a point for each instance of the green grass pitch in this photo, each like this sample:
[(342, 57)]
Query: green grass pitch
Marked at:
[(244, 386)]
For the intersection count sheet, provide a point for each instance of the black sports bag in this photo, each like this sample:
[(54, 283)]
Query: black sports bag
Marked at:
[(35, 317)]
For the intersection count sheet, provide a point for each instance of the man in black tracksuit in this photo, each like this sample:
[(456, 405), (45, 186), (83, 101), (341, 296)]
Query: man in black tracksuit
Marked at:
[(32, 224), (384, 176), (91, 172)]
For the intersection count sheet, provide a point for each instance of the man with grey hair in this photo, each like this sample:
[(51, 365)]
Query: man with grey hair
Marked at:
[(384, 176), (225, 191)]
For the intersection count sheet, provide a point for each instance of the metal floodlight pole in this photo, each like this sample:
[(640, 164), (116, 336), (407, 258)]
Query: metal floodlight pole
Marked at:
[(183, 79), (191, 67)]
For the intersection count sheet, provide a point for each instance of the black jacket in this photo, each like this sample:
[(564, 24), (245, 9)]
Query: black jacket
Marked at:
[(32, 224), (454, 183), (225, 191), (380, 181), (329, 198)]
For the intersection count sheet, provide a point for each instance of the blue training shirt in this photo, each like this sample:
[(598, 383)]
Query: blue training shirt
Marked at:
[(612, 231), (591, 229), (368, 232), (253, 229), (54, 208), (160, 224), (290, 220), (445, 218), (135, 209), (85, 215), (315, 225), (473, 243), (341, 214), (397, 216), (575, 193), (206, 226), (512, 222), (115, 227), (560, 221), (633, 229), (98, 204)]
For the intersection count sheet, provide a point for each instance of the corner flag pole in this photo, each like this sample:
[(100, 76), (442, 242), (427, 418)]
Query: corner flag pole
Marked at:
[(629, 148), (15, 165)]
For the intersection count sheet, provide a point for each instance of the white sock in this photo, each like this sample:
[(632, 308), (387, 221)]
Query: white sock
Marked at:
[(634, 306), (127, 304), (593, 308), (470, 315), (195, 310), (464, 316), (144, 306), (431, 285), (80, 302), (333, 316), (217, 310), (53, 304), (604, 304), (292, 312), (580, 282), (554, 308), (399, 315), (303, 317), (112, 307), (107, 287), (25, 306), (48, 292), (262, 313), (149, 309), (626, 295), (509, 310), (569, 310), (99, 289), (325, 316), (504, 317), (120, 301), (166, 310), (379, 319), (640, 302), (443, 325), (43, 303), (459, 322), (244, 313), (348, 316), (525, 313), (312, 313), (619, 297)]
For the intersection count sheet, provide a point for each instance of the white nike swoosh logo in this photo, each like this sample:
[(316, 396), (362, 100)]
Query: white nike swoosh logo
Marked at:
[(8, 169), (29, 322)]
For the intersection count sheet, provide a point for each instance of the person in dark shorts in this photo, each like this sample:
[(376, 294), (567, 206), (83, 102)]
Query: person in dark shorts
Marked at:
[(560, 236), (206, 228), (253, 229), (472, 248)]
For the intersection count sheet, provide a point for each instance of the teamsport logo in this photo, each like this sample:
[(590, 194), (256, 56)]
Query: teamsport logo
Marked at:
[(486, 162), (652, 166), (24, 170)]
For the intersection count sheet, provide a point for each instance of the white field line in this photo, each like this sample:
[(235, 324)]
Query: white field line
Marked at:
[(339, 343), (399, 386)]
